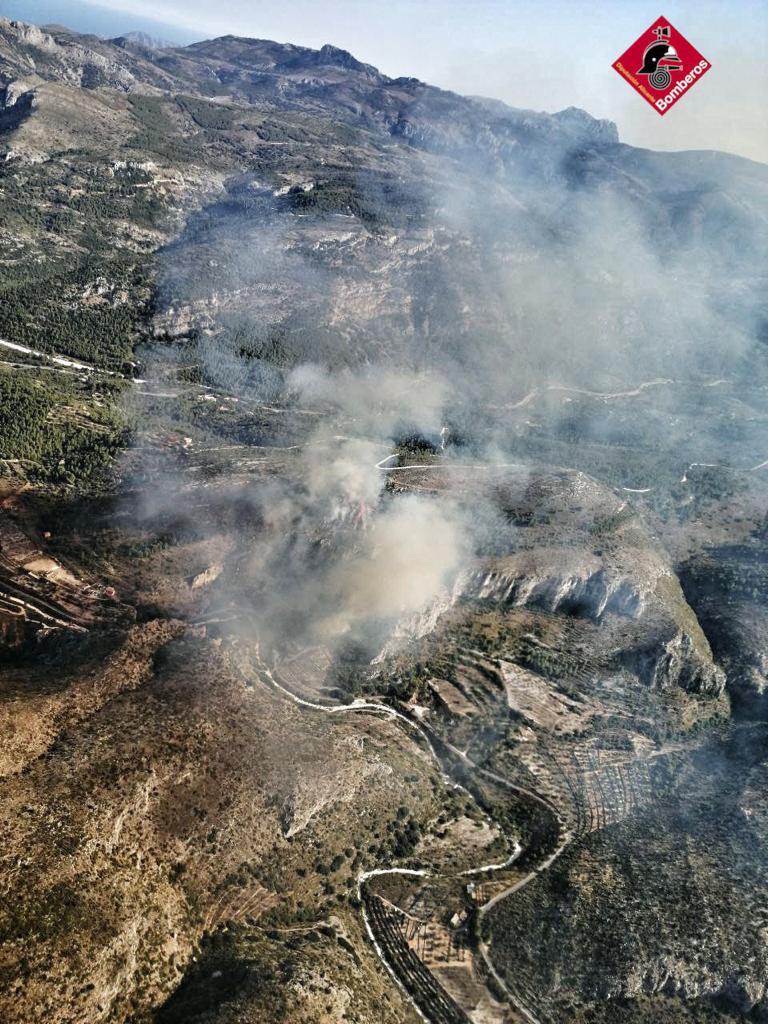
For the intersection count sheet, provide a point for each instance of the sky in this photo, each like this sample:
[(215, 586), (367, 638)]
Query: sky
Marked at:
[(536, 54)]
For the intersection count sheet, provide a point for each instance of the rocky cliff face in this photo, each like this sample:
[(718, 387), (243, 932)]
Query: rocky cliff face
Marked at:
[(664, 646), (727, 586), (625, 585), (58, 55)]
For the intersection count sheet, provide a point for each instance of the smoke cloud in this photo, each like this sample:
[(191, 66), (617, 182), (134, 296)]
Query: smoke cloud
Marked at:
[(531, 297)]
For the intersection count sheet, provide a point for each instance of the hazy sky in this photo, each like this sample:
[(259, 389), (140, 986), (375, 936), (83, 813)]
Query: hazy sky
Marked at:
[(541, 54)]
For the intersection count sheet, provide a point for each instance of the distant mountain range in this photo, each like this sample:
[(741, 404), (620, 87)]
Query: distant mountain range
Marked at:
[(482, 200), (143, 41)]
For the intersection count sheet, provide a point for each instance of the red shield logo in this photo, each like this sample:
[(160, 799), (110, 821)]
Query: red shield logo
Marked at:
[(662, 65)]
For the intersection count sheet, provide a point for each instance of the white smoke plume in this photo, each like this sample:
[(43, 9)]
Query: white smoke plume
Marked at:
[(544, 292), (408, 556)]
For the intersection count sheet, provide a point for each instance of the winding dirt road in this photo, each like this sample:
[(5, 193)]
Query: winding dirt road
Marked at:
[(375, 707)]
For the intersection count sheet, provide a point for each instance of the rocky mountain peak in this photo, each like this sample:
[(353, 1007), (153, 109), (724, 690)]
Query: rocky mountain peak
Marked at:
[(142, 40), (328, 54), (576, 119)]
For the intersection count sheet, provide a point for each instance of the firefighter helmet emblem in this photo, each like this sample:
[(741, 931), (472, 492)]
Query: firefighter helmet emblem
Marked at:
[(659, 59), (670, 66)]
